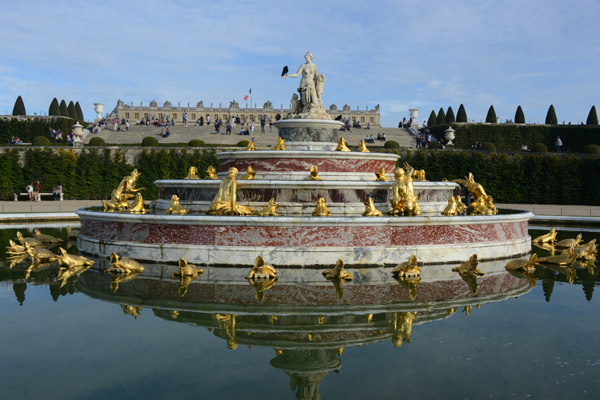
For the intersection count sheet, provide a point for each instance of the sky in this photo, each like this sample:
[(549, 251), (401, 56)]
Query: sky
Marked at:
[(398, 54)]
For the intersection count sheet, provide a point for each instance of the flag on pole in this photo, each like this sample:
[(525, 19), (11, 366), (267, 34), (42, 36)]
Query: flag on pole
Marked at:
[(246, 98)]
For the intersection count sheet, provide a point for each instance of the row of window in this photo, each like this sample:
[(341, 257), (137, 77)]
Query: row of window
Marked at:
[(224, 117)]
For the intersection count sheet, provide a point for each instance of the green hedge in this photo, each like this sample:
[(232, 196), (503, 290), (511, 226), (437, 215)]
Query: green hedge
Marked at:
[(510, 137), (529, 179), (27, 129), (95, 172)]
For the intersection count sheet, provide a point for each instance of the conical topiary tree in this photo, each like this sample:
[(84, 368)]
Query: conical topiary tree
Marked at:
[(450, 116), (79, 112), (551, 116), (441, 117), (519, 116), (19, 108), (54, 108), (592, 118), (63, 108), (461, 116), (491, 116), (72, 111), (432, 119)]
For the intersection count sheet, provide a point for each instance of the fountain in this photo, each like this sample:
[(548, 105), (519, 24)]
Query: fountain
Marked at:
[(289, 217)]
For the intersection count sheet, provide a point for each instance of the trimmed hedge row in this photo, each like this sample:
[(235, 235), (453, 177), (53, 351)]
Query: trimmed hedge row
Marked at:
[(528, 179), (511, 137), (95, 172), (27, 129)]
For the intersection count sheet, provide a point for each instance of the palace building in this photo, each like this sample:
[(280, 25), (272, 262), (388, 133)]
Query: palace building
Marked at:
[(245, 114)]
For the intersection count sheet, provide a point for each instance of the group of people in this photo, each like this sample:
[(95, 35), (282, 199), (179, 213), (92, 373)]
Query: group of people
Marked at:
[(404, 123), (56, 135), (15, 140), (424, 138), (35, 187)]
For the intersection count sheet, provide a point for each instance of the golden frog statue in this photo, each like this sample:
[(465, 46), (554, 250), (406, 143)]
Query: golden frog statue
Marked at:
[(211, 173), (408, 269), (469, 267), (14, 249), (187, 269), (314, 174), (362, 147), (370, 210), (192, 173), (380, 175), (269, 210), (549, 237), (569, 243), (321, 210), (71, 260), (338, 272), (523, 264), (32, 242), (138, 205), (42, 237), (418, 175), (40, 255), (225, 202), (262, 270), (280, 144), (175, 208), (250, 174), (404, 201), (342, 145)]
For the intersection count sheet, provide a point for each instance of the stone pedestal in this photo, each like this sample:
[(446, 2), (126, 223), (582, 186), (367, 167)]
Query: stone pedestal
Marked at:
[(99, 109), (308, 130), (414, 114)]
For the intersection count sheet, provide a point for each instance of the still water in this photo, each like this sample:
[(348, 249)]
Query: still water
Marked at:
[(84, 338)]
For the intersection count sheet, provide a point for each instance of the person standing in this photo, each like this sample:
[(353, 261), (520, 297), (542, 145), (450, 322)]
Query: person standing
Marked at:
[(29, 190), (57, 191), (252, 128), (37, 188), (558, 144)]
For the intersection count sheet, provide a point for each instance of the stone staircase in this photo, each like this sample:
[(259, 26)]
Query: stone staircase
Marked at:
[(182, 134)]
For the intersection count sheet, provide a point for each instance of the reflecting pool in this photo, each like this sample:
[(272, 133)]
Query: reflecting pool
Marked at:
[(216, 336)]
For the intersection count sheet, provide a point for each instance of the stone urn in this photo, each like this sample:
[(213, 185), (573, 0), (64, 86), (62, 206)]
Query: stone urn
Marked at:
[(450, 136), (99, 109), (414, 114)]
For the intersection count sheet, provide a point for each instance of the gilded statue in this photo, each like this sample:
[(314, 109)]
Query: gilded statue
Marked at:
[(175, 208), (404, 201), (225, 202), (418, 175), (251, 145), (39, 255), (451, 208), (341, 146), (338, 272), (14, 249), (124, 192), (31, 241), (262, 270), (362, 147), (523, 264), (211, 173), (71, 260), (138, 205), (310, 89), (469, 267), (270, 210), (187, 273), (586, 250), (192, 173), (123, 266), (483, 203), (569, 243), (408, 269), (314, 174), (321, 210), (46, 239), (250, 174), (280, 144), (402, 323), (460, 206), (370, 210), (380, 175)]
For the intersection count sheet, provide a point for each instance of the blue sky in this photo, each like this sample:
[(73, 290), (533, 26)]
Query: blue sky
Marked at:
[(399, 54)]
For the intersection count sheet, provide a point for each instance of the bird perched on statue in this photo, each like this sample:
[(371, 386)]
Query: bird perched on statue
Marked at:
[(285, 71)]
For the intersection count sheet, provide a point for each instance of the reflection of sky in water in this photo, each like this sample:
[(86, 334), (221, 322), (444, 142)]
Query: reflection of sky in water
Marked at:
[(85, 348)]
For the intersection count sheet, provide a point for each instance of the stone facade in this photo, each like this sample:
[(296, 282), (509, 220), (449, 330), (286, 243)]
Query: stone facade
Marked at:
[(246, 114)]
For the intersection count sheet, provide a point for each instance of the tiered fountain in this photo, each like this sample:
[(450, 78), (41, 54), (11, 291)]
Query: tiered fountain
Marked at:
[(273, 215)]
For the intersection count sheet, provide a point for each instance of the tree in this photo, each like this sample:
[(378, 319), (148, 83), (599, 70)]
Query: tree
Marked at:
[(519, 116), (19, 108), (63, 108), (72, 111), (461, 116), (592, 118), (79, 112), (432, 119), (551, 116), (450, 116), (54, 108), (491, 116), (441, 117)]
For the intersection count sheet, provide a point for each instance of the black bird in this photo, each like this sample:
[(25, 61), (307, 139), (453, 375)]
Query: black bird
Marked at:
[(285, 70)]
